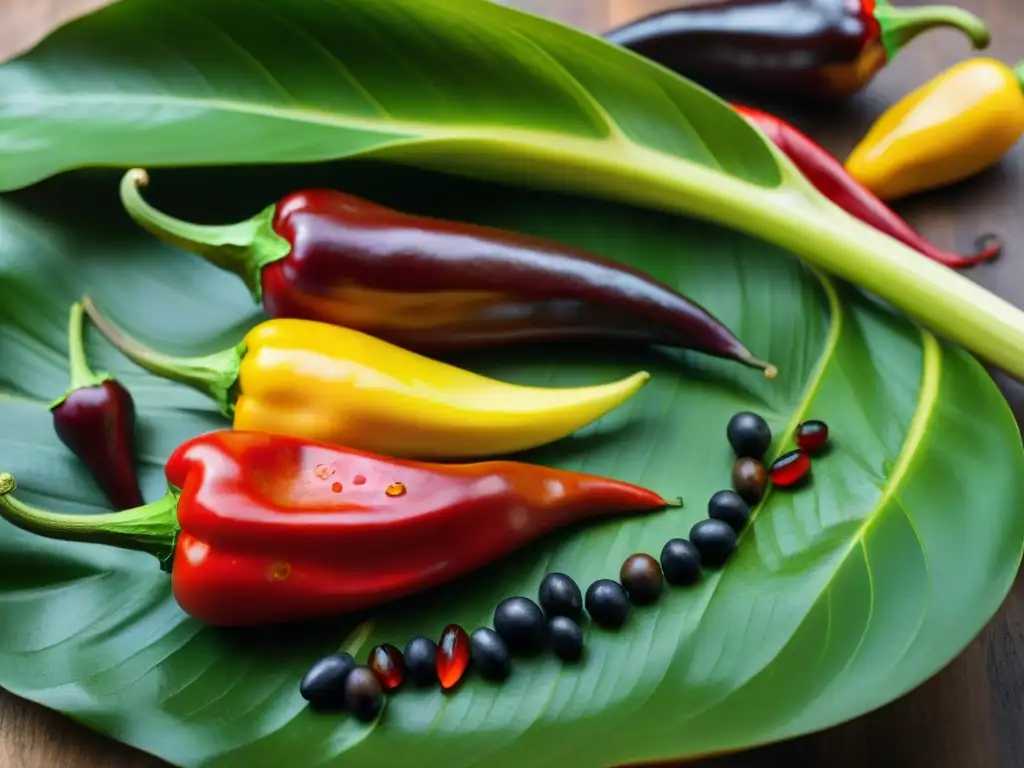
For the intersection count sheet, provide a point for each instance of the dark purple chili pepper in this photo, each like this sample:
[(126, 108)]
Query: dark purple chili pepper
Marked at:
[(436, 286), (95, 419)]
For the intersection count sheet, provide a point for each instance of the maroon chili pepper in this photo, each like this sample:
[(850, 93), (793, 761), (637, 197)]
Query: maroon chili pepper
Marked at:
[(798, 49), (829, 176), (431, 285), (95, 419)]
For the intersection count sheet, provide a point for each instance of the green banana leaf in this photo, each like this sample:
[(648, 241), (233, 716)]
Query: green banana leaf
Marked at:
[(461, 86), (842, 596)]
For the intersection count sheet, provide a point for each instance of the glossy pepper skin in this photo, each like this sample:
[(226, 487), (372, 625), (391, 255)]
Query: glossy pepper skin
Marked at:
[(797, 49), (951, 128), (830, 178), (323, 382), (436, 286), (260, 529), (95, 419)]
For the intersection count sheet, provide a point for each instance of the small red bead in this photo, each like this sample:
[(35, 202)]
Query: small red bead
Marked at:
[(790, 468), (387, 664), (452, 656), (812, 435)]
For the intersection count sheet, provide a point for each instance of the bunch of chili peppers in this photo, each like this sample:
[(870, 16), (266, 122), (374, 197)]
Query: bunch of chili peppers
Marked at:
[(322, 499)]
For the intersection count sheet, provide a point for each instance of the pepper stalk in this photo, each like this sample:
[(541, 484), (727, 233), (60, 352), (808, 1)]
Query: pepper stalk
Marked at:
[(900, 25), (242, 248), (150, 528)]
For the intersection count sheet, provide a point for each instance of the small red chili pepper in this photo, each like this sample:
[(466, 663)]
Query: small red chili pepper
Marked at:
[(95, 419), (435, 286), (830, 178), (796, 49), (254, 533)]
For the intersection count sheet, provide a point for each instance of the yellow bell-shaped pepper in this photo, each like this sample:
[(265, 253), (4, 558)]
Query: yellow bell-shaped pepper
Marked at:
[(327, 383), (953, 127)]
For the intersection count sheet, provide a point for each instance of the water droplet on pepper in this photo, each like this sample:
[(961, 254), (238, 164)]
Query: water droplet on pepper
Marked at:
[(323, 471), (395, 489), (452, 656), (336, 487), (279, 571), (387, 664)]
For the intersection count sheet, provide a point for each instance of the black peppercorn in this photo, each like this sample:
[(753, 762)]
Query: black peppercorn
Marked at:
[(730, 508), (680, 561), (489, 654), (521, 624), (323, 686), (749, 435), (607, 603), (715, 540), (364, 695), (421, 661), (566, 638), (560, 596)]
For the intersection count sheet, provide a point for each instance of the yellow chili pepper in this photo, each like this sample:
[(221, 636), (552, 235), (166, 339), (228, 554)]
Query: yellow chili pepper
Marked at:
[(953, 127), (332, 384)]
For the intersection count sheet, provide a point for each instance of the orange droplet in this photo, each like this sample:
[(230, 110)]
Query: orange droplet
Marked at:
[(336, 487), (323, 471), (395, 489), (358, 479), (279, 571)]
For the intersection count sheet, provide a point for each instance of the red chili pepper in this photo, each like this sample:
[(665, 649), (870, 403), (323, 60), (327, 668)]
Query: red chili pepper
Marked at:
[(259, 528), (797, 49), (95, 419), (829, 176), (432, 286)]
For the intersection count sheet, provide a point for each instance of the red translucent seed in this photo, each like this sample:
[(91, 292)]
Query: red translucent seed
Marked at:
[(812, 435), (452, 656), (387, 665), (790, 468)]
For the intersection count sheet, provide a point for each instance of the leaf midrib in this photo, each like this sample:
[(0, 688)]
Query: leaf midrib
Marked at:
[(615, 149), (928, 397), (929, 391)]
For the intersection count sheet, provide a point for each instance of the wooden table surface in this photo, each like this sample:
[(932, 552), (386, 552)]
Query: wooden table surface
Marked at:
[(970, 715)]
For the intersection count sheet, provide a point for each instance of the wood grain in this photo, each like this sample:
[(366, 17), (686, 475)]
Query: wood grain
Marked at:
[(970, 715)]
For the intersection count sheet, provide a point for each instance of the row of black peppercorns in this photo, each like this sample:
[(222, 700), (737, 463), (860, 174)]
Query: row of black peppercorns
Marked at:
[(522, 626)]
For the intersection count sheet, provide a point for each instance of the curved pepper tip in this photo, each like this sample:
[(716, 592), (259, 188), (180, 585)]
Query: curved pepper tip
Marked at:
[(7, 483), (988, 247), (901, 25), (137, 177)]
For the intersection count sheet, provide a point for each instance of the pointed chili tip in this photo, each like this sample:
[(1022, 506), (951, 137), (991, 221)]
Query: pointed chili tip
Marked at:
[(744, 356), (988, 247), (137, 176), (7, 483), (676, 502)]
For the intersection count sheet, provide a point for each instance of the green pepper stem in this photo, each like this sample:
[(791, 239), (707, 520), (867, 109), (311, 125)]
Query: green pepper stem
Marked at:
[(243, 248), (150, 528), (1018, 71), (82, 376), (215, 375), (901, 25)]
